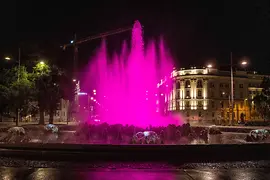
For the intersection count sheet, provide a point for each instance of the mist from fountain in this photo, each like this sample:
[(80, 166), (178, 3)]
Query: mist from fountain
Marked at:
[(126, 83)]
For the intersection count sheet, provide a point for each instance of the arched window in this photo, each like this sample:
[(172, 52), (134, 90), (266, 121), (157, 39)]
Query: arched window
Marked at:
[(177, 85), (187, 84), (199, 84)]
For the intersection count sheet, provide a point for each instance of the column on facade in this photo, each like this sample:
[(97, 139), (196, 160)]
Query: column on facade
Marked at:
[(182, 95), (173, 96), (193, 94), (205, 95)]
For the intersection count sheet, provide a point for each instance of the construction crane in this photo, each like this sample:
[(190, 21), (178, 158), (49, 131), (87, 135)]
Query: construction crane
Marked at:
[(74, 43)]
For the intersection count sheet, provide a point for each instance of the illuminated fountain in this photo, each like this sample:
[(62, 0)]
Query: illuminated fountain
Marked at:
[(125, 85)]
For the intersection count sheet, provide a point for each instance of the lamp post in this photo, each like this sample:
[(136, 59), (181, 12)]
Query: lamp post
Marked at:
[(18, 74), (232, 93), (243, 63)]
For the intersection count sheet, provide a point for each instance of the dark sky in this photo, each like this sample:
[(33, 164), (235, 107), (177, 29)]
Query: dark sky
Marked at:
[(195, 31)]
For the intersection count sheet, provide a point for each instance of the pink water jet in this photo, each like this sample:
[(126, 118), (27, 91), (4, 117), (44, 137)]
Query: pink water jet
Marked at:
[(126, 83)]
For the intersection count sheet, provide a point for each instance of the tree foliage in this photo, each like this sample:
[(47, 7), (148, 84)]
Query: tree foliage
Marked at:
[(22, 92), (47, 89), (16, 92), (262, 101)]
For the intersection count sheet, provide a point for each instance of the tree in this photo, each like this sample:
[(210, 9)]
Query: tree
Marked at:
[(16, 93), (40, 75), (48, 91), (54, 92), (262, 101), (4, 92)]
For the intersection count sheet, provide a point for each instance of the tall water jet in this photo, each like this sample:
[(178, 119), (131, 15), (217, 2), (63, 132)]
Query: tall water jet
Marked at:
[(125, 85)]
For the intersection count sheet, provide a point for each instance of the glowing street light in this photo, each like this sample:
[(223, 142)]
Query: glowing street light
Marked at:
[(42, 62), (94, 91), (209, 65), (244, 63), (74, 80), (7, 58)]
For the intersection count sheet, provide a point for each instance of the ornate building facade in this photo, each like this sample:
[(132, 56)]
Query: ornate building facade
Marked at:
[(204, 95)]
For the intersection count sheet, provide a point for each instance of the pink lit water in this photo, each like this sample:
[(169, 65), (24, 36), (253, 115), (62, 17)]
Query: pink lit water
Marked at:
[(126, 83)]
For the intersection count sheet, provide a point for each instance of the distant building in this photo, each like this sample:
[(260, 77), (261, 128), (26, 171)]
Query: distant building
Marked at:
[(61, 114), (203, 95)]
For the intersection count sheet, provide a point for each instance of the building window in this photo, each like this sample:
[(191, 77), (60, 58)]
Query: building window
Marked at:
[(221, 94), (187, 93), (199, 84), (241, 85), (226, 85), (221, 85), (213, 104), (187, 84), (213, 114), (221, 104), (212, 85), (199, 103), (241, 95), (212, 94), (187, 114), (177, 85), (187, 103), (178, 95), (199, 93), (241, 105), (177, 105)]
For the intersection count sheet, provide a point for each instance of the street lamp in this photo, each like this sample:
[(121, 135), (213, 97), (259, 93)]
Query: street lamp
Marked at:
[(243, 63), (42, 62), (7, 58), (209, 65)]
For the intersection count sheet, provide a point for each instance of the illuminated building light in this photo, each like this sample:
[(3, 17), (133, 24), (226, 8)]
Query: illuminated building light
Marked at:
[(161, 94), (91, 98), (82, 93), (155, 94), (94, 91), (204, 94), (146, 99), (205, 107), (95, 100), (157, 102)]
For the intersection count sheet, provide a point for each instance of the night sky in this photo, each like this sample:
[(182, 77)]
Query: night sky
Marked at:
[(196, 33)]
